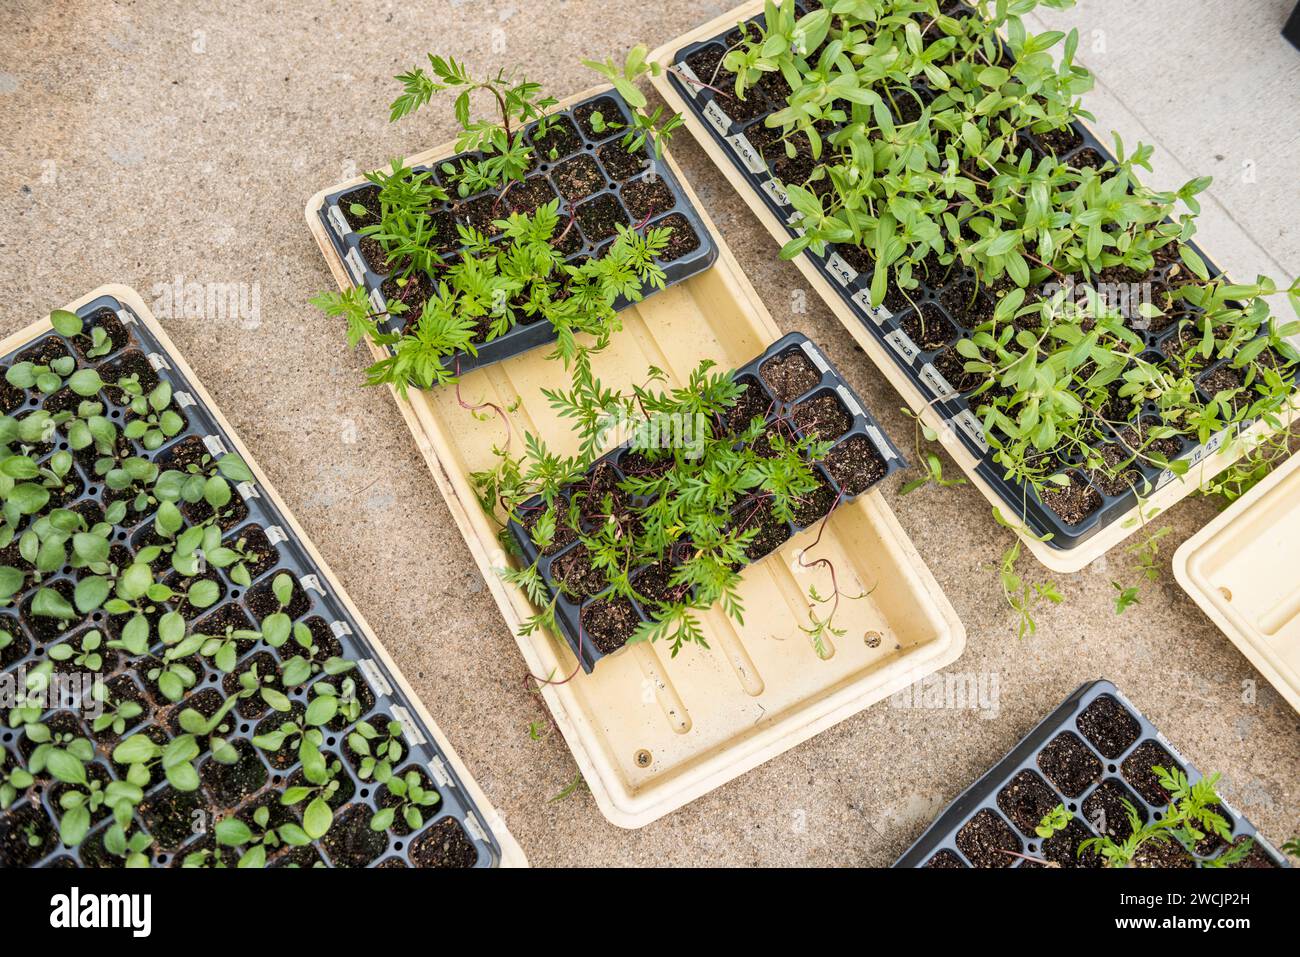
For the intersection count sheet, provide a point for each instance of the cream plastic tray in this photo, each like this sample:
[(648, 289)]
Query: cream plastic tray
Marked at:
[(650, 732), (511, 854), (1060, 560), (1243, 569)]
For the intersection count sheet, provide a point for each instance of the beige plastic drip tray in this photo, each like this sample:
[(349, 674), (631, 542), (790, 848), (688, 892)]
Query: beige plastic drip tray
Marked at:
[(651, 732), (1243, 569)]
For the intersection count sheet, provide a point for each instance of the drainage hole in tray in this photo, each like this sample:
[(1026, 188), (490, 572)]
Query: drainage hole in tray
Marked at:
[(643, 758)]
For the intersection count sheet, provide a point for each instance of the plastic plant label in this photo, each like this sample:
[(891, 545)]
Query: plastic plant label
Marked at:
[(745, 152), (852, 405), (936, 382), (694, 88), (157, 361), (275, 535), (969, 424), (841, 270), (378, 683), (340, 628), (879, 442), (410, 729), (184, 399), (902, 343), (214, 445), (125, 316), (377, 301), (717, 117), (338, 221), (878, 314), (817, 358), (355, 266), (776, 192)]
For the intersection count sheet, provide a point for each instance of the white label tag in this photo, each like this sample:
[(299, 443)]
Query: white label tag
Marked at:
[(340, 628), (840, 269), (877, 314), (158, 361), (184, 399), (275, 535), (247, 490), (214, 445), (717, 117), (903, 344), (355, 266), (774, 189), (126, 316), (377, 302), (375, 679), (311, 583), (849, 401), (744, 150), (816, 356), (879, 442), (694, 88), (338, 221), (438, 770), (410, 730), (1197, 455), (938, 385), (968, 423)]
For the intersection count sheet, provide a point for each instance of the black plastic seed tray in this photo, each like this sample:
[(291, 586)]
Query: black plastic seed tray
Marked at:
[(455, 823), (825, 384), (1088, 754), (919, 333), (592, 175)]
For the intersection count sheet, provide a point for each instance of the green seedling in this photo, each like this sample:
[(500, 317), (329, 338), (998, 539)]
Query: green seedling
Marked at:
[(412, 798)]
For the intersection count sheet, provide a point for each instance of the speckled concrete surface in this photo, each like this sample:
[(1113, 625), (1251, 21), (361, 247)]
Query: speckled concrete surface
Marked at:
[(145, 141)]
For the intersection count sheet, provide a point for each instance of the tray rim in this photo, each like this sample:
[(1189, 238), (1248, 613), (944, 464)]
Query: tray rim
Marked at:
[(1247, 640), (625, 809), (512, 855), (1059, 560)]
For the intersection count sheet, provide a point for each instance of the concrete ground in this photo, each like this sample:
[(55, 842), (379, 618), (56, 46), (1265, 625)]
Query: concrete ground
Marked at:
[(145, 141)]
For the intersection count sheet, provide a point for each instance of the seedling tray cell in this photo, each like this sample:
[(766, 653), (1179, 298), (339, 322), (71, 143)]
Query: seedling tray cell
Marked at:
[(1087, 754), (918, 357), (648, 731), (863, 428), (462, 820), (634, 189)]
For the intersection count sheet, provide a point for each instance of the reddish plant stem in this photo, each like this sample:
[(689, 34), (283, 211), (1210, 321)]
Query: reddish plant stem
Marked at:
[(482, 405)]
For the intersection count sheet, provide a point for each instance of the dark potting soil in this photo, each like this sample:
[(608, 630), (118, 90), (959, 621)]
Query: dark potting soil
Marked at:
[(757, 515), (1255, 857), (169, 816), (600, 218), (1107, 479), (1069, 764), (131, 363), (985, 837), (609, 622), (855, 464), (389, 799), (104, 319), (45, 352), (564, 533), (928, 327), (1109, 726), (262, 600), (653, 585), (823, 417), (43, 628), (1026, 800), (1073, 502), (611, 117), (121, 690), (411, 291), (525, 198), (576, 575), (26, 834), (579, 177), (753, 403), (707, 66), (350, 841), (1087, 158), (267, 673), (367, 196), (1060, 141), (816, 505), (598, 496), (230, 784), (789, 375), (619, 163), (1063, 847), (681, 241), (390, 863), (646, 196), (1104, 809), (287, 756), (560, 139), (263, 556), (372, 251), (946, 859), (1211, 844), (1136, 770), (1224, 379), (952, 366), (1153, 854), (444, 845), (967, 304)]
